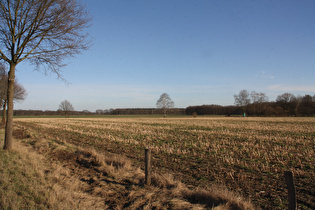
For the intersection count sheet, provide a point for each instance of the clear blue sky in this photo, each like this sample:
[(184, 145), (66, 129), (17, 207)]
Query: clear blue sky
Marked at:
[(197, 51)]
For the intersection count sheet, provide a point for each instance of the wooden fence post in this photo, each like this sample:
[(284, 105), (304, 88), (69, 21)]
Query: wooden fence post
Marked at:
[(147, 180), (291, 189)]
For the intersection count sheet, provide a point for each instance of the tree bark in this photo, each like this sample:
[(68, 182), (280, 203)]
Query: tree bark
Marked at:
[(8, 141)]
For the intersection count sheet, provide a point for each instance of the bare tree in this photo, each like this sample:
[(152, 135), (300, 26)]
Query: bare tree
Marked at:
[(258, 99), (242, 99), (100, 111), (286, 98), (19, 91), (289, 103), (44, 32), (165, 102), (307, 106), (66, 107)]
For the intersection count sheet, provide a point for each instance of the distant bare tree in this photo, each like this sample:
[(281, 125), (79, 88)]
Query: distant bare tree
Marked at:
[(100, 111), (66, 107), (307, 106), (44, 32), (165, 102), (286, 98), (289, 103), (258, 99), (242, 99)]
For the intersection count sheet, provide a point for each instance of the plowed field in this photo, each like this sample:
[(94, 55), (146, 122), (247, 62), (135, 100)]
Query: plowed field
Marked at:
[(248, 155)]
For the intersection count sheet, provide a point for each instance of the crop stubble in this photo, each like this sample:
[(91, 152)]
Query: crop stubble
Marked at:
[(248, 155)]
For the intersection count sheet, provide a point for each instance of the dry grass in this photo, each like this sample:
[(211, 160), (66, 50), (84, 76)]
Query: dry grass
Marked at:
[(248, 155), (29, 181)]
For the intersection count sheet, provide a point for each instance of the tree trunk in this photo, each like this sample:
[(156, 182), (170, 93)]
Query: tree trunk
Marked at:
[(8, 141), (4, 112)]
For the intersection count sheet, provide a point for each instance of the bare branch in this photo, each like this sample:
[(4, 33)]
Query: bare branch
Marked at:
[(44, 32)]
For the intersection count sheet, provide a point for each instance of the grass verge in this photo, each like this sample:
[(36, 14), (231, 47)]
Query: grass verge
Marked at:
[(28, 180), (21, 186)]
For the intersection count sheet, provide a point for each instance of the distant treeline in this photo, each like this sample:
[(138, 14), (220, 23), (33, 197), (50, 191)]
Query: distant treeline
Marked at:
[(304, 107), (147, 111), (285, 105), (121, 111), (213, 110), (48, 112)]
